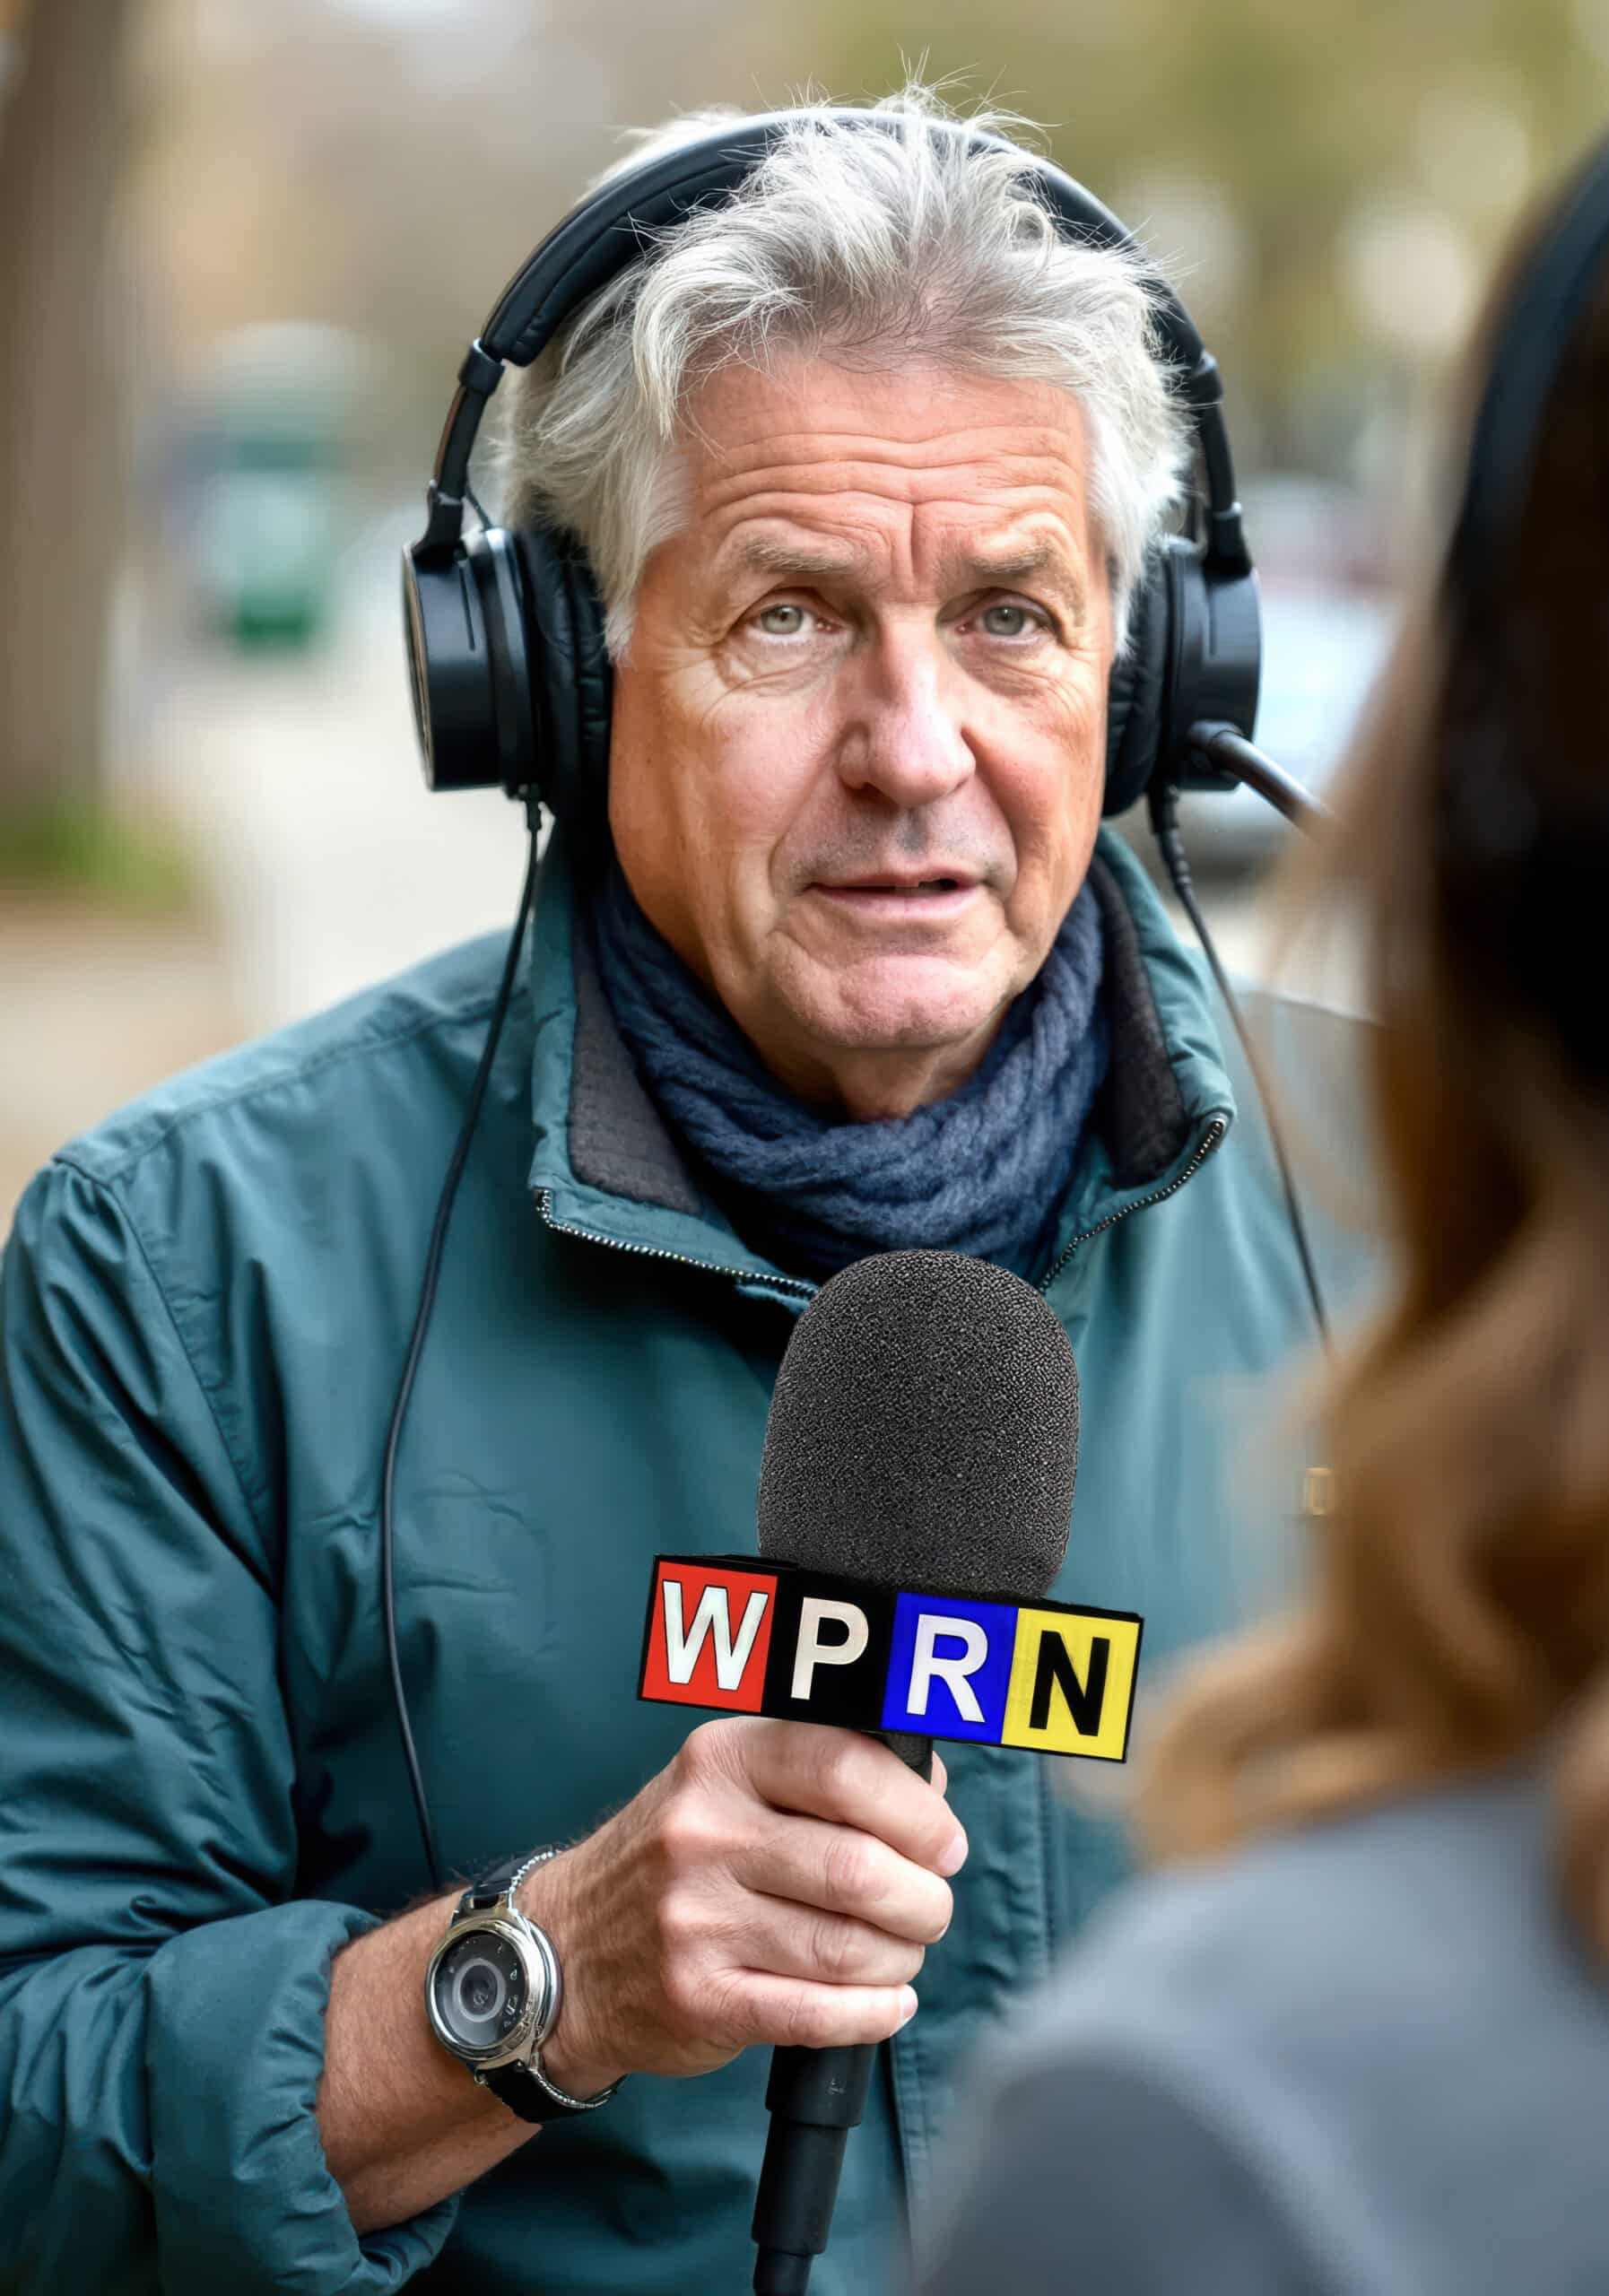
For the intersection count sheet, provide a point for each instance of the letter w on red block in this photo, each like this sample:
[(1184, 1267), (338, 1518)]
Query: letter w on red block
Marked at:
[(709, 1632)]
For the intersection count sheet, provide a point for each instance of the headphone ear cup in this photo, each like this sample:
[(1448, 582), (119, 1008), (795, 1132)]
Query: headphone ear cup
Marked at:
[(1137, 689), (570, 678), (551, 654), (465, 625), (594, 694)]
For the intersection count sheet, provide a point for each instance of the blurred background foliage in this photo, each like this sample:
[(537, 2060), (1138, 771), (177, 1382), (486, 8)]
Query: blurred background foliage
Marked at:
[(244, 246)]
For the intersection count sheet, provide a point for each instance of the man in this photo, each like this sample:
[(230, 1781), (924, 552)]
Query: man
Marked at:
[(867, 466)]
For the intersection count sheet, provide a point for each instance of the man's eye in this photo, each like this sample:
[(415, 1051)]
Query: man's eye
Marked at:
[(1008, 619), (781, 621)]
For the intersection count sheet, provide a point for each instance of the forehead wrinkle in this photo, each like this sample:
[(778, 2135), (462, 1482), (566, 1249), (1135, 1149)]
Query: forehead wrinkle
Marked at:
[(863, 465), (767, 553), (965, 443), (958, 563), (768, 494), (1011, 488)]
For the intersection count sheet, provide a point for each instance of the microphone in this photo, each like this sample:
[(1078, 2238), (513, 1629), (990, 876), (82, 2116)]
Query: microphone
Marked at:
[(923, 1434)]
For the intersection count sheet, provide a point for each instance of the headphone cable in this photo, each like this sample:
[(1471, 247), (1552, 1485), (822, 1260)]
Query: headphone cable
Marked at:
[(1163, 807), (421, 1319)]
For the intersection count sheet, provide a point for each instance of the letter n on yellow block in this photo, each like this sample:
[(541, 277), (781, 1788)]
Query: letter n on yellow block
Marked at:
[(1073, 1683)]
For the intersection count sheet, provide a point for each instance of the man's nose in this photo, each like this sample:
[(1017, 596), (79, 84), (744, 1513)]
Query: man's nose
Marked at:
[(902, 733)]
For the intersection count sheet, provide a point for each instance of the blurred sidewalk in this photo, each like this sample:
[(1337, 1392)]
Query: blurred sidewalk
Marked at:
[(328, 865), (95, 1009), (333, 865)]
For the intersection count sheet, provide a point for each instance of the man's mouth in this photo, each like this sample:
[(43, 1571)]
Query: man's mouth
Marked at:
[(937, 884), (923, 905)]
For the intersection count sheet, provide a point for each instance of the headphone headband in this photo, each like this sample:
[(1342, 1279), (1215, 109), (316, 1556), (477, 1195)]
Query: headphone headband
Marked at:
[(524, 700), (578, 256), (612, 228)]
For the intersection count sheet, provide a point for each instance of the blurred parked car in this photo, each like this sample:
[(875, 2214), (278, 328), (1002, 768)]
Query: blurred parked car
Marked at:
[(265, 457)]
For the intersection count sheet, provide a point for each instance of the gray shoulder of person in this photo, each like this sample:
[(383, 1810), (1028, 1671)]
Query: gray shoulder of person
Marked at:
[(1389, 2019)]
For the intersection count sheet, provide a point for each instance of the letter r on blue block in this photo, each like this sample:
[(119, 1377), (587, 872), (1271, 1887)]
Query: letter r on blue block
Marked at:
[(950, 1667)]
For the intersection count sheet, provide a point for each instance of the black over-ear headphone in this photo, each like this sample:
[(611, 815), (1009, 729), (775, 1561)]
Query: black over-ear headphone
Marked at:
[(1522, 855), (505, 632)]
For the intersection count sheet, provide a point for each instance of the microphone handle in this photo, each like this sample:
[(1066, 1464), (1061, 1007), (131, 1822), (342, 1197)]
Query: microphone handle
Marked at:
[(814, 2097)]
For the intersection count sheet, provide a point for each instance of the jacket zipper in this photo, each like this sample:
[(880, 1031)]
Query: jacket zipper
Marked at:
[(544, 1204), (1209, 1140)]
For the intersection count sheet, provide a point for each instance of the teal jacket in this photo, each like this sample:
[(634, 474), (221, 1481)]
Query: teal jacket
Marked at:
[(205, 1308)]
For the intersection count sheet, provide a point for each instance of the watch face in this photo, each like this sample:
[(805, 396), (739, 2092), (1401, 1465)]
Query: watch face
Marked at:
[(479, 1992)]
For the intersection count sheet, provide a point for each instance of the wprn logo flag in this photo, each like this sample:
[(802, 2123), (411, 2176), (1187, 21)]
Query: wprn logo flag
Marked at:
[(771, 1640)]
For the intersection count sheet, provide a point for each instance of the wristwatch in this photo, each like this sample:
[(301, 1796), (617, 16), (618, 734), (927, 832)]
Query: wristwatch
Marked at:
[(493, 1992)]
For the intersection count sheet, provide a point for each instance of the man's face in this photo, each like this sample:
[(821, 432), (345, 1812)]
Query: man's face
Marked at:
[(859, 738)]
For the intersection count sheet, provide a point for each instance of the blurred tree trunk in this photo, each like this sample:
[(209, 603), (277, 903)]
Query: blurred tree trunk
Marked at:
[(62, 140)]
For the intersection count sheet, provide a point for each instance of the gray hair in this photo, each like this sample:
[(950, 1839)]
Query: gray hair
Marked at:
[(882, 249)]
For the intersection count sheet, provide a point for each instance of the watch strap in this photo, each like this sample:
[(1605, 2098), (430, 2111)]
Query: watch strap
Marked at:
[(499, 1882), (524, 2089)]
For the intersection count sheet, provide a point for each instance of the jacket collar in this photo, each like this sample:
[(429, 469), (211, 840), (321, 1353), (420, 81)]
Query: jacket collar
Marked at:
[(606, 1166)]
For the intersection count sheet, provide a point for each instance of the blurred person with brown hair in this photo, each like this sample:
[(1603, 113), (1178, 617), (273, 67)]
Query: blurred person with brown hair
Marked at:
[(1359, 2046)]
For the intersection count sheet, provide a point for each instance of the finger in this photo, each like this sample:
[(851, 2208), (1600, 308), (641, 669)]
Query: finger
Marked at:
[(941, 1775), (793, 2015), (787, 1940), (838, 1869), (849, 1778)]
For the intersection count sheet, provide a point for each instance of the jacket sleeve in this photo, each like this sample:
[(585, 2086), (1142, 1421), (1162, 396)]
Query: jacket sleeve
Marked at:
[(161, 1990), (1092, 2172)]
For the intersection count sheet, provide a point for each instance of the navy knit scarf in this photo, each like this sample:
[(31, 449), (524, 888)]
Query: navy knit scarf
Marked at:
[(982, 1172)]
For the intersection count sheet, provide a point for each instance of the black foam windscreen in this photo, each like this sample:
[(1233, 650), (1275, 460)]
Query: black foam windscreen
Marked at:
[(924, 1430)]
